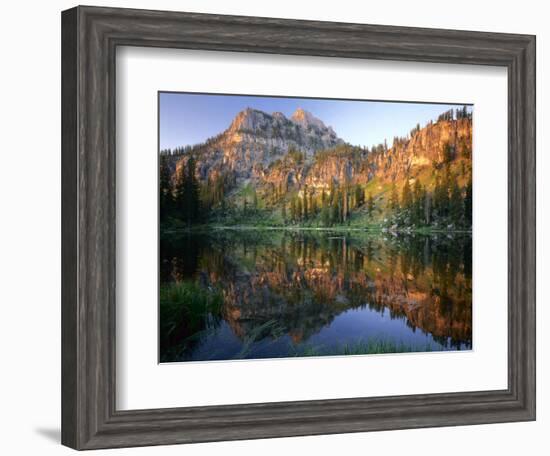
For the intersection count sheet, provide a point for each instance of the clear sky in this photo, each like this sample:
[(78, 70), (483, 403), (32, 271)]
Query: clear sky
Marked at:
[(187, 119)]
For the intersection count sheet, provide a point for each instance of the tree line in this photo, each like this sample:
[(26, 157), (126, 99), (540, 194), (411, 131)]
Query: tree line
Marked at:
[(446, 204), (331, 207), (458, 113), (179, 197)]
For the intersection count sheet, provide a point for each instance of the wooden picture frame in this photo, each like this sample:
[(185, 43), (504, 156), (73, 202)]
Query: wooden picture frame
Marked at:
[(90, 36)]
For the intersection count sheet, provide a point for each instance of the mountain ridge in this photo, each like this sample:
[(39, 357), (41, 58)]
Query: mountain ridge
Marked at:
[(276, 158), (255, 138)]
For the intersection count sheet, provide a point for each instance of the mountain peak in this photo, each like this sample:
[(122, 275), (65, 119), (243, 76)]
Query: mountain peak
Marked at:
[(305, 118), (278, 115), (247, 119)]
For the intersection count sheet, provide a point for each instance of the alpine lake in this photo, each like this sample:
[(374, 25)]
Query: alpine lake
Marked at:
[(230, 294)]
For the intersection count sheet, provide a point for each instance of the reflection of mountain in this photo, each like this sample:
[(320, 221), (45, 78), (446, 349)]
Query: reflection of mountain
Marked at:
[(303, 282)]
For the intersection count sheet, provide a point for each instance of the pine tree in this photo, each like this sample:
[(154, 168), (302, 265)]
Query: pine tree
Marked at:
[(428, 203), (223, 206), (165, 188), (325, 213), (299, 213), (335, 211), (418, 202), (394, 198), (370, 204), (254, 199), (293, 209), (455, 204), (305, 204), (359, 196), (332, 192), (191, 192), (447, 153), (313, 204), (441, 198), (406, 196), (441, 193), (179, 193), (345, 205), (468, 203)]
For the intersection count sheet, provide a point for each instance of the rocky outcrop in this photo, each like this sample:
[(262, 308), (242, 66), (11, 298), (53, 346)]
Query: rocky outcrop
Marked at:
[(283, 153), (256, 139), (426, 147)]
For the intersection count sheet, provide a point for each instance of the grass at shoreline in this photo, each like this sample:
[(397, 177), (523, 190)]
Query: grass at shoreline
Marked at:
[(369, 347), (184, 307), (370, 229)]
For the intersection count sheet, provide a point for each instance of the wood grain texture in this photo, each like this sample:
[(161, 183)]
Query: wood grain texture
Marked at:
[(89, 39)]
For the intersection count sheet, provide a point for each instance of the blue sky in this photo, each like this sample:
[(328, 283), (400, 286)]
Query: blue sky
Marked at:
[(187, 119)]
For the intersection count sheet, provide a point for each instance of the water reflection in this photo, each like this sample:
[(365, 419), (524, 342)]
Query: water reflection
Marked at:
[(279, 293)]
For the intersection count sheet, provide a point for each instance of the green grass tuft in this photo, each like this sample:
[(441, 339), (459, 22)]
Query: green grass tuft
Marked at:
[(185, 308), (369, 347)]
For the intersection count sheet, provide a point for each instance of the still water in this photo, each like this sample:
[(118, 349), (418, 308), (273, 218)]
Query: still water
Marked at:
[(243, 294)]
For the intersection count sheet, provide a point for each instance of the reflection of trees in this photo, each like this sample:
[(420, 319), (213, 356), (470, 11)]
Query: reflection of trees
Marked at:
[(304, 281)]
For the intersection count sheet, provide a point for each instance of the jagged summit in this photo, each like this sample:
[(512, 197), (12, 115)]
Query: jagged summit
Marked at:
[(302, 131), (255, 139), (259, 148), (278, 115), (306, 119), (248, 119)]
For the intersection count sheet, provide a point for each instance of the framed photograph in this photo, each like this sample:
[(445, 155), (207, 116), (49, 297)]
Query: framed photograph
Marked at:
[(280, 228)]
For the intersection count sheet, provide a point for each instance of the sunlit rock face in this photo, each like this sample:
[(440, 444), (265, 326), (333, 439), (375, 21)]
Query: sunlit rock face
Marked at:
[(273, 150), (425, 147), (255, 139)]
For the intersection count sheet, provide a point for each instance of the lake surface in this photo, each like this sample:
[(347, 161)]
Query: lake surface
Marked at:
[(244, 294)]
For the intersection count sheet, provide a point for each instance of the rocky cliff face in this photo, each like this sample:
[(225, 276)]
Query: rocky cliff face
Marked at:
[(345, 164), (290, 153), (426, 146), (256, 139)]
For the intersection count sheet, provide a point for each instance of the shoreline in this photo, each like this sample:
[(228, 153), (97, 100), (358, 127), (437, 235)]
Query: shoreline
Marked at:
[(397, 232)]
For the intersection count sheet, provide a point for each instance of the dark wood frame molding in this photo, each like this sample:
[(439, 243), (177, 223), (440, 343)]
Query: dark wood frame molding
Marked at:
[(90, 36)]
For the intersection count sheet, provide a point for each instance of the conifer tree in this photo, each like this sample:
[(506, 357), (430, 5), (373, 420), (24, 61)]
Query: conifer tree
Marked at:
[(418, 202), (179, 193), (325, 213), (335, 210), (312, 204), (428, 203), (293, 209), (299, 208), (370, 204), (165, 188), (406, 196), (345, 205), (191, 192), (394, 198), (359, 196), (455, 204), (305, 204), (468, 203), (254, 199), (447, 153)]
